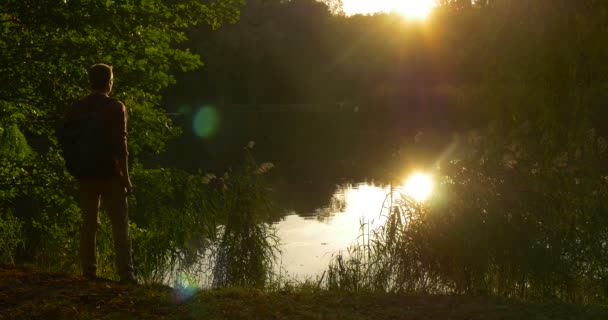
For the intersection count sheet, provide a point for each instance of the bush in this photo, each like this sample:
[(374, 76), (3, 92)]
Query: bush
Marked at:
[(10, 237)]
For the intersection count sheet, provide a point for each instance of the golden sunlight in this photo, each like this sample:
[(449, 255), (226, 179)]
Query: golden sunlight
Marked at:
[(415, 9), (365, 200), (411, 9), (419, 186)]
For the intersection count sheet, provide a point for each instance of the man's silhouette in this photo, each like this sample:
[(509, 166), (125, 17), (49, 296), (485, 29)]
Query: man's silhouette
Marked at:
[(109, 180)]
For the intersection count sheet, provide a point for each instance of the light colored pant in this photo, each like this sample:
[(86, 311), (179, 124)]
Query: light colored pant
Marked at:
[(114, 199)]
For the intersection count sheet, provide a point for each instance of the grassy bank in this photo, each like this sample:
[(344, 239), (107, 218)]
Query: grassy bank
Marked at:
[(27, 294)]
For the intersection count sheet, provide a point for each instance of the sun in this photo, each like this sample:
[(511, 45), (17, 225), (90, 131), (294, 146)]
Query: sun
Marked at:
[(419, 186), (410, 9), (415, 9)]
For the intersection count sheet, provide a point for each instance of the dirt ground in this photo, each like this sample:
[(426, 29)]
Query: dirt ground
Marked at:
[(26, 294)]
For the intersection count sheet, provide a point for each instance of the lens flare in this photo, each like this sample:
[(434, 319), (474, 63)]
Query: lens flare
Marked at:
[(205, 122), (185, 287)]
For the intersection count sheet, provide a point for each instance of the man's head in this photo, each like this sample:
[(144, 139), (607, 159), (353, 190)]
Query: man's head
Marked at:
[(101, 78)]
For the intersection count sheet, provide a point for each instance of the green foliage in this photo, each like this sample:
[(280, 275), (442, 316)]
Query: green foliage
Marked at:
[(46, 47), (10, 237), (13, 143), (48, 218)]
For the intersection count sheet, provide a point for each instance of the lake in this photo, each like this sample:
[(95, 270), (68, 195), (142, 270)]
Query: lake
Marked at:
[(308, 241), (331, 166)]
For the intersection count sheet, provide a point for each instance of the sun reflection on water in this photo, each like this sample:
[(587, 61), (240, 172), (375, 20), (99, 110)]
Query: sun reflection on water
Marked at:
[(419, 186), (308, 244), (365, 201)]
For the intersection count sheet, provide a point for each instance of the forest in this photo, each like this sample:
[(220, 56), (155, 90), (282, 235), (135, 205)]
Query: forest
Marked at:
[(508, 95)]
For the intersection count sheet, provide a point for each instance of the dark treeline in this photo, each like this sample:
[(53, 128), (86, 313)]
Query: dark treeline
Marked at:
[(297, 52)]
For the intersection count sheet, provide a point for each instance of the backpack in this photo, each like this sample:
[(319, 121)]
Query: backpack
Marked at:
[(86, 141)]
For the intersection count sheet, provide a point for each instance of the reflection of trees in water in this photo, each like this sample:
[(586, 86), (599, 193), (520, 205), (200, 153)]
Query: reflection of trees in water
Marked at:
[(366, 199), (337, 204)]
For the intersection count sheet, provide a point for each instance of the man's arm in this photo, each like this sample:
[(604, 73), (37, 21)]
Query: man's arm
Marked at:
[(123, 168), (121, 153)]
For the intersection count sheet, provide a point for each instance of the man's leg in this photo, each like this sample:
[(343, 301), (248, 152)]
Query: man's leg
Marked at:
[(89, 207), (115, 199)]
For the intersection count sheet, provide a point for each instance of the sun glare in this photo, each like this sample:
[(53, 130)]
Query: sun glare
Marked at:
[(410, 9), (415, 9), (419, 186)]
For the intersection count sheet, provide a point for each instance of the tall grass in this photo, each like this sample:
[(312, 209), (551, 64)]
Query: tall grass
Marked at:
[(508, 217), (247, 246), (10, 237), (214, 230), (385, 258)]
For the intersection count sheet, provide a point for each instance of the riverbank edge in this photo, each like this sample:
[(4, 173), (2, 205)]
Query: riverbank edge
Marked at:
[(29, 294)]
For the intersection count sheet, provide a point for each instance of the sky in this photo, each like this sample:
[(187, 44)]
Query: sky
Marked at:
[(409, 8)]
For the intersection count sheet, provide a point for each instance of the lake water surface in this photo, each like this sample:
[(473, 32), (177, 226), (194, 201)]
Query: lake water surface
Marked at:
[(319, 156), (309, 240)]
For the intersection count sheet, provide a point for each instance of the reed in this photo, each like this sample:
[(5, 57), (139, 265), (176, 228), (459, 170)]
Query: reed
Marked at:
[(501, 221), (215, 230)]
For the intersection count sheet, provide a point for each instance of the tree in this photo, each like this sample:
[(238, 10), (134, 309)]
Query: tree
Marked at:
[(46, 47)]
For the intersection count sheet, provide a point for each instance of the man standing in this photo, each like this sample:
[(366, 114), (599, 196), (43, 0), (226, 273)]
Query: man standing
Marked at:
[(99, 162)]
